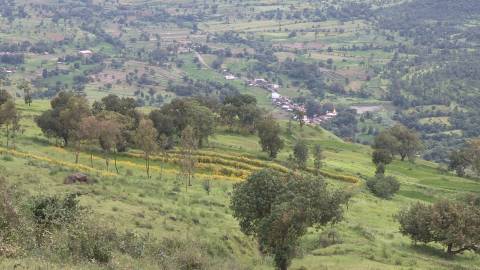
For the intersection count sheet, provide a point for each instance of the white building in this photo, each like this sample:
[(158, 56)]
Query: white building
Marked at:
[(85, 53), (229, 77), (275, 96), (332, 114)]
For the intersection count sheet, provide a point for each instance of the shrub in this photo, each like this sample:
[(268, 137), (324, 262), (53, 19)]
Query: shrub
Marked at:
[(54, 211), (383, 186), (132, 244), (7, 158), (91, 242)]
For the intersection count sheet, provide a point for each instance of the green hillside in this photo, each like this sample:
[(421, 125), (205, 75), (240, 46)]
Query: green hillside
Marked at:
[(142, 97), (368, 238)]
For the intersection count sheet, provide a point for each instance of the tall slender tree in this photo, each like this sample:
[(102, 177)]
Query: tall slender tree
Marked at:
[(318, 158), (188, 145), (145, 139)]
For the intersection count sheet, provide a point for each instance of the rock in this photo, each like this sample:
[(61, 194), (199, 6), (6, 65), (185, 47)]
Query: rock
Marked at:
[(77, 178)]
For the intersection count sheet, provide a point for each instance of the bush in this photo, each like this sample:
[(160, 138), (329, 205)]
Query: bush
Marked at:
[(7, 158), (55, 211), (133, 244), (383, 186), (91, 242)]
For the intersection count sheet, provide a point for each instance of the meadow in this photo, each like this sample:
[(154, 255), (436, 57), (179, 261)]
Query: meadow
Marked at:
[(164, 207)]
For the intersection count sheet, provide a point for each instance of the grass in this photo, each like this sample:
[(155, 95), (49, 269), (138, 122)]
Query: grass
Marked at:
[(161, 207), (165, 208)]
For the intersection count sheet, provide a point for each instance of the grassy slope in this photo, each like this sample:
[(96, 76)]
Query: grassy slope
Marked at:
[(369, 235)]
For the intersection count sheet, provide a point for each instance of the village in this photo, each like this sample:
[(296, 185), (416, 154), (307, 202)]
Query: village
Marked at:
[(284, 103)]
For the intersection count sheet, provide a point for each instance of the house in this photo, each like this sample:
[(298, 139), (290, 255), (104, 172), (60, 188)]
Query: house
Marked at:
[(85, 53), (332, 114), (230, 77), (275, 96)]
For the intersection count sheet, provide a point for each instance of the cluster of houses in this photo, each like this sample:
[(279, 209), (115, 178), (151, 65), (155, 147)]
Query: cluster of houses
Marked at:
[(7, 70), (288, 105), (262, 83)]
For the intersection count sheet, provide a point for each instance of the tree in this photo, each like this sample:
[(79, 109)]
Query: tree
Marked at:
[(188, 145), (473, 152), (408, 141), (399, 140), (383, 186), (174, 117), (145, 139), (318, 158), (278, 209), (27, 92), (89, 132), (113, 103), (300, 152), (459, 162), (4, 96), (64, 118), (109, 135), (9, 117), (203, 124), (415, 221), (300, 115), (381, 158), (454, 224), (386, 142), (269, 134)]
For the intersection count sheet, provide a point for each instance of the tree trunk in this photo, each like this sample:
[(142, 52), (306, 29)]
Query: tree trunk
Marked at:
[(161, 171), (8, 135), (91, 159), (283, 265), (449, 249), (107, 163), (147, 164), (77, 153), (115, 161), (13, 139)]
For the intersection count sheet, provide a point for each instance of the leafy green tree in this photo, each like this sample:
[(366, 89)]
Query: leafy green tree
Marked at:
[(454, 224), (300, 152), (113, 103), (269, 134), (383, 186), (408, 142), (381, 158), (174, 117), (399, 140), (415, 221), (386, 142), (64, 119), (459, 162), (203, 124), (278, 209)]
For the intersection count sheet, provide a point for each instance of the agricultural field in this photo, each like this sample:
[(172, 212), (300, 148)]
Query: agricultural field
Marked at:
[(207, 82)]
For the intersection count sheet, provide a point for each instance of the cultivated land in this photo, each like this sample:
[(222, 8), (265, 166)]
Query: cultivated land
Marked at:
[(144, 52)]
